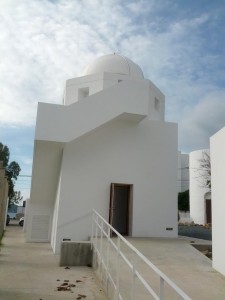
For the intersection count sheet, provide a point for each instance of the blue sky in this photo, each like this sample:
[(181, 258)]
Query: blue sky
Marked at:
[(179, 44)]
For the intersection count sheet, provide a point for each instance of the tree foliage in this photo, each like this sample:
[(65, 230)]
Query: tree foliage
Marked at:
[(12, 172), (205, 169), (4, 155), (16, 198), (183, 201)]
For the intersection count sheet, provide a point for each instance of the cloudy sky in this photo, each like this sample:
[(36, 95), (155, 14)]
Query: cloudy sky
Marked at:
[(179, 44)]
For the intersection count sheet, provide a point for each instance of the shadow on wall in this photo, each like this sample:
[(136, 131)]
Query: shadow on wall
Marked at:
[(78, 219)]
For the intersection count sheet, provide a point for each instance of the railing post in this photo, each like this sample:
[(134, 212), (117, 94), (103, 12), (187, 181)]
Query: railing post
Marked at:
[(118, 268), (133, 277), (101, 237), (161, 290), (96, 232), (92, 230), (107, 258), (101, 258)]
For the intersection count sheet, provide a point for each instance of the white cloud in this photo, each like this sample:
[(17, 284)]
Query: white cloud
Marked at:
[(202, 121), (43, 43)]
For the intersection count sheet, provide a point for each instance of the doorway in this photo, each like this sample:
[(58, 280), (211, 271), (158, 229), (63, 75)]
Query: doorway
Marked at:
[(120, 207), (208, 211)]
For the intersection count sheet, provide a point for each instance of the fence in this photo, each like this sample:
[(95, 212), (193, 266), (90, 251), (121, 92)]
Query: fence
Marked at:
[(105, 239)]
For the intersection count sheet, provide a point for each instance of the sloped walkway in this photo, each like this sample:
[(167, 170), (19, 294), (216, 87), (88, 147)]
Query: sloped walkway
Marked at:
[(186, 266), (30, 271)]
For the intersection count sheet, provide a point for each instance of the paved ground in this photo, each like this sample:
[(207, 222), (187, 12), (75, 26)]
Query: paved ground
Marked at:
[(196, 231), (30, 271), (186, 266)]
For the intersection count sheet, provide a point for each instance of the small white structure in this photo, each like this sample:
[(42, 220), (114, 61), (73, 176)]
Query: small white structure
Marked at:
[(217, 151), (183, 172), (183, 183), (109, 148), (200, 195)]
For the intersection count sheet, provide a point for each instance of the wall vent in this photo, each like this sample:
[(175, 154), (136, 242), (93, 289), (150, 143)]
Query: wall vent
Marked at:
[(40, 227)]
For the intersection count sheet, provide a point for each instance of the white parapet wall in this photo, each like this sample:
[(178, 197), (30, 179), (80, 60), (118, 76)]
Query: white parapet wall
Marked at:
[(198, 191), (217, 150)]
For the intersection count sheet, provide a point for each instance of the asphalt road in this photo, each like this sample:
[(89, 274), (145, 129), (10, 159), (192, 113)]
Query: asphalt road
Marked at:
[(196, 231)]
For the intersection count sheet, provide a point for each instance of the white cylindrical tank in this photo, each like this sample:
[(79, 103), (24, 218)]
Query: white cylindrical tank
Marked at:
[(198, 190)]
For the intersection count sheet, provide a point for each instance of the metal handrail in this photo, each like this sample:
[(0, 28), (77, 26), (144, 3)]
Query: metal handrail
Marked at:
[(98, 224)]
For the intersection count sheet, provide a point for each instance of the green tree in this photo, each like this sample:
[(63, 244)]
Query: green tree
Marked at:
[(4, 155), (16, 198), (12, 172), (183, 201)]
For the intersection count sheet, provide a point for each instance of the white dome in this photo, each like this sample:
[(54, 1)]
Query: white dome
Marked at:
[(114, 63)]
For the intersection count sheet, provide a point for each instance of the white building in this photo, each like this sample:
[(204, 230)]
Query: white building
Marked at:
[(200, 195), (183, 172), (107, 147), (217, 151), (183, 183)]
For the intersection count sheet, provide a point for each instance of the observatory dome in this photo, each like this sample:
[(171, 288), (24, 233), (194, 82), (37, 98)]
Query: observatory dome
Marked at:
[(114, 63)]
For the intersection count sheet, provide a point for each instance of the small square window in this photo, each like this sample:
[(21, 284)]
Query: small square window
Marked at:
[(157, 103), (83, 92)]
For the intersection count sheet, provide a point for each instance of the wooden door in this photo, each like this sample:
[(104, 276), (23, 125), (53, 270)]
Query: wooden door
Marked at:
[(208, 211), (119, 210)]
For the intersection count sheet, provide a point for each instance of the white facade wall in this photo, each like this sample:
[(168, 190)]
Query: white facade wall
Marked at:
[(217, 151), (45, 177), (79, 88), (92, 84), (99, 82), (197, 189), (58, 123), (55, 215), (143, 155), (135, 99)]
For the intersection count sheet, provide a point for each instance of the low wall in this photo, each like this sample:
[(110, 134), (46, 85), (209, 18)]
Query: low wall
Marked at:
[(75, 254), (184, 217)]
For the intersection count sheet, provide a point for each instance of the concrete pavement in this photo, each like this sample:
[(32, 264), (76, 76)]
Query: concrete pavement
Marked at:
[(30, 271), (186, 266)]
